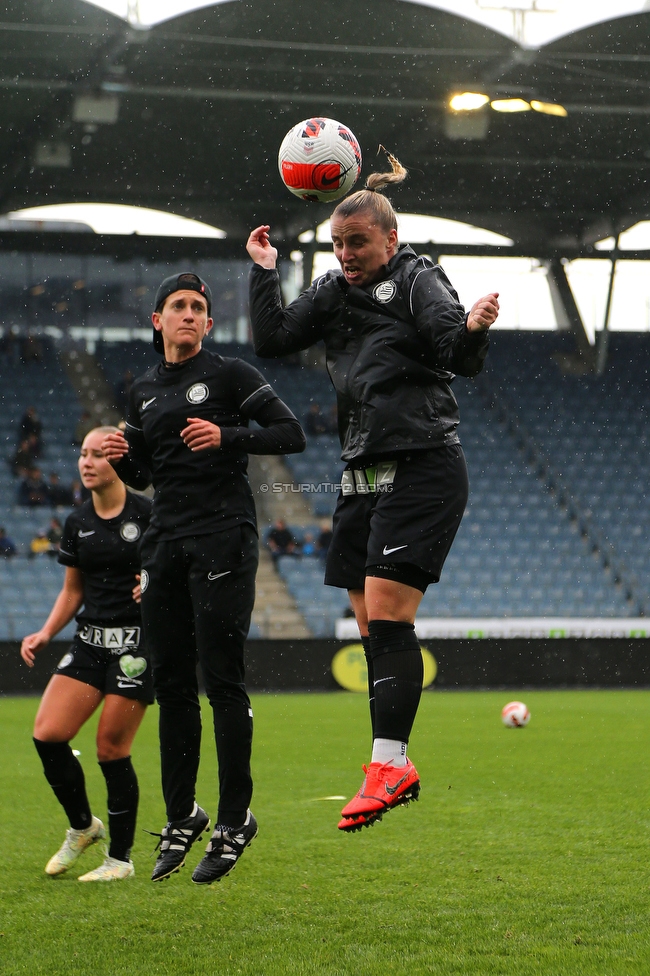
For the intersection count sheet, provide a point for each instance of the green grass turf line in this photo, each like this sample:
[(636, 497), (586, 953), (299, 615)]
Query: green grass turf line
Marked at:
[(527, 852)]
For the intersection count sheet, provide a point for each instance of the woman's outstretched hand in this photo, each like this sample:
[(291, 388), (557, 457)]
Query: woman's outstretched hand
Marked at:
[(260, 248)]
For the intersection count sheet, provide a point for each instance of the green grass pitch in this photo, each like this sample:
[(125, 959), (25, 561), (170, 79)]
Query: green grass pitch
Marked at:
[(527, 853)]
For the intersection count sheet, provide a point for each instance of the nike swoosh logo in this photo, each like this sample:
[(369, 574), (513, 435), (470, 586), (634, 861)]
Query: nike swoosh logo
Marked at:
[(388, 551), (214, 576), (393, 789), (82, 535), (145, 403), (340, 176)]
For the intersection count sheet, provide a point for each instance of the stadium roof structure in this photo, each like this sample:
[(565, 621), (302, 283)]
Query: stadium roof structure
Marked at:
[(186, 116)]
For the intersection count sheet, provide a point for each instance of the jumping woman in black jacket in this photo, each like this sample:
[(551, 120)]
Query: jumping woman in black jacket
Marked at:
[(395, 335)]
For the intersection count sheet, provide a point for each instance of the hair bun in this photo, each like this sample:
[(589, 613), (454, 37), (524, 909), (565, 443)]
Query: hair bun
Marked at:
[(371, 199)]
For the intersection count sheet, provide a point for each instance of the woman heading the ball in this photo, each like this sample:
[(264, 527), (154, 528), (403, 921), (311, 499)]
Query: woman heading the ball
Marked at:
[(395, 334), (106, 662)]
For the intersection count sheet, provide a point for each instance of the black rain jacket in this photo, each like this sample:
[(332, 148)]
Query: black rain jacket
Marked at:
[(392, 350)]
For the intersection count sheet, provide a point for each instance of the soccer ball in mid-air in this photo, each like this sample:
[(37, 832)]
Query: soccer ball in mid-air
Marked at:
[(319, 160), (515, 715)]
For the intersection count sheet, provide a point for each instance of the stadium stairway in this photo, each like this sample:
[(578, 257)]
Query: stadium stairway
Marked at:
[(276, 613), (90, 383), (320, 605)]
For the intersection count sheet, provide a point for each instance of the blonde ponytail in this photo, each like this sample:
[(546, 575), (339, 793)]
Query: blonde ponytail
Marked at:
[(371, 200)]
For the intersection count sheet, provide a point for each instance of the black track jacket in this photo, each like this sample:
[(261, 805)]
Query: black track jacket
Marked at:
[(199, 492), (392, 350)]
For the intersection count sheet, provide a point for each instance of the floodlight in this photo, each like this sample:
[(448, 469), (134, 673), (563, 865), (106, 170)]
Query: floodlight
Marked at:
[(468, 101), (510, 105), (549, 108)]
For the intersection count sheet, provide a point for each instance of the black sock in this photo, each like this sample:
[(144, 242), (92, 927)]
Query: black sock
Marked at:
[(123, 795), (397, 677), (371, 691), (66, 777)]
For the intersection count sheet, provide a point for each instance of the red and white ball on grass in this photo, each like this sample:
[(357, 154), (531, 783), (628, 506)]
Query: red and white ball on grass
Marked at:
[(319, 160), (515, 715)]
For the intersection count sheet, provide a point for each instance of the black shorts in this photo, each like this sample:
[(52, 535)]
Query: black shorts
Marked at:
[(408, 522), (119, 670)]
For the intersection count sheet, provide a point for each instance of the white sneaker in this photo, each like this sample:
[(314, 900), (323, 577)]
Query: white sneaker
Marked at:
[(110, 870), (75, 843)]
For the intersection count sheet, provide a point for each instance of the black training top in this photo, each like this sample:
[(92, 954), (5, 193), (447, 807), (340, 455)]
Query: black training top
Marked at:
[(392, 347), (197, 492), (108, 554)]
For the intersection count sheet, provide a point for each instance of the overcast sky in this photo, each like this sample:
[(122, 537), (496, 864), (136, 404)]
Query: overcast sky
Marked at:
[(551, 19)]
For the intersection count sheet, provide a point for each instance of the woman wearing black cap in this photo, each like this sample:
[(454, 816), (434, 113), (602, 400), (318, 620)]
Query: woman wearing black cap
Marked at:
[(187, 433)]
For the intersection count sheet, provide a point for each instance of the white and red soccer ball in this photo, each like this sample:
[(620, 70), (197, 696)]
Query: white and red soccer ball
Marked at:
[(515, 715), (319, 160)]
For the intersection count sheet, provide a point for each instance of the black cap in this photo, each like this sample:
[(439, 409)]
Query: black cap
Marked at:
[(186, 281)]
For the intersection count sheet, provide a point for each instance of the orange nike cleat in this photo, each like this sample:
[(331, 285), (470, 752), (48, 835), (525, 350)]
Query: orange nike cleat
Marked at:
[(359, 820), (385, 787)]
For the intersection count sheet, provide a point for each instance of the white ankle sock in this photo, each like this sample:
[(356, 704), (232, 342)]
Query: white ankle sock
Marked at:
[(389, 750)]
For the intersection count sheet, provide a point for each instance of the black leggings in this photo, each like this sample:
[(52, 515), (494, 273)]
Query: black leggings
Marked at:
[(196, 606)]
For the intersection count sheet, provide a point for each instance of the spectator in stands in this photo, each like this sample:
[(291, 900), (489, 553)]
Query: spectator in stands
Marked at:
[(35, 445), (39, 545), (84, 426), (31, 429), (394, 333), (308, 546), (280, 541), (32, 350), (54, 535), (32, 490), (58, 495), (324, 538), (23, 459), (79, 494), (122, 391), (9, 348), (7, 545), (315, 421)]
